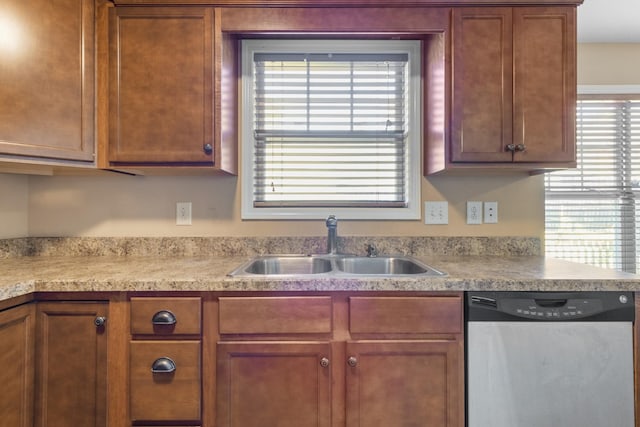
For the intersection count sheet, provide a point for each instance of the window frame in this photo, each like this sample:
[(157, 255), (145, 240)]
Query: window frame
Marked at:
[(412, 211)]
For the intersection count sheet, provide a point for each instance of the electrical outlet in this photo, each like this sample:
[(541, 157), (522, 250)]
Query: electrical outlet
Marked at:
[(183, 213), (474, 212), (491, 212), (436, 212)]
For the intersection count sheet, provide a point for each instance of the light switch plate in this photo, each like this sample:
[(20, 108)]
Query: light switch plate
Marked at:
[(436, 212), (183, 213)]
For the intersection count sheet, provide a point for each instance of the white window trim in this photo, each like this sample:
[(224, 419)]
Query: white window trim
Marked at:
[(414, 156)]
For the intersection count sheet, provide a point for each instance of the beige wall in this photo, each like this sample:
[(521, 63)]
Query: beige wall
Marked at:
[(609, 64), (145, 206), (14, 203)]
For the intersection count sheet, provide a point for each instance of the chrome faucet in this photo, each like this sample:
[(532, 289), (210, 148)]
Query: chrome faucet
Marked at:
[(332, 235)]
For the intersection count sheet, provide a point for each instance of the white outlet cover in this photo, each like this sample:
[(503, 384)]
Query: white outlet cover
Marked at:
[(490, 212), (183, 213), (474, 212), (436, 212)]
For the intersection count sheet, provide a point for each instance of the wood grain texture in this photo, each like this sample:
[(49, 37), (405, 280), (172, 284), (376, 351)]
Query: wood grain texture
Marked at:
[(275, 315), (274, 384), (187, 311), (71, 365), (17, 340), (165, 396), (47, 82)]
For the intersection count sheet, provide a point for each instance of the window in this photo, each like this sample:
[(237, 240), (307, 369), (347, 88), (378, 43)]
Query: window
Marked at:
[(592, 211), (331, 127)]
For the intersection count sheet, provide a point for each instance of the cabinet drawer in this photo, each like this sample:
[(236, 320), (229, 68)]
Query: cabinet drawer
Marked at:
[(406, 315), (275, 315), (165, 396), (165, 316)]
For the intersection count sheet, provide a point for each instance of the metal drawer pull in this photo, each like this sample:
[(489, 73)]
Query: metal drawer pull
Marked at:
[(164, 317), (163, 365)]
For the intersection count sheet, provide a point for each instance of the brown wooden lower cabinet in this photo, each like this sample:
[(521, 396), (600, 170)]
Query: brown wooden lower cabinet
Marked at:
[(404, 383), (17, 327), (71, 369), (283, 384)]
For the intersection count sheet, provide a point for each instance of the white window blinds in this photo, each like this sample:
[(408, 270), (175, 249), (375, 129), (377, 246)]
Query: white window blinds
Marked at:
[(330, 129), (591, 211)]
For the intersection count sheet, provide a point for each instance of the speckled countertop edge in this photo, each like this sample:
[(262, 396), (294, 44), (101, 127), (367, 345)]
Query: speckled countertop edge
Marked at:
[(23, 275)]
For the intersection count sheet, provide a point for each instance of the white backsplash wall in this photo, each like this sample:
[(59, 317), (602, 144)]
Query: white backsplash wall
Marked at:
[(118, 205)]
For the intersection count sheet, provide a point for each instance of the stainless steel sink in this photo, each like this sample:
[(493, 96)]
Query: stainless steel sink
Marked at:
[(333, 265), (384, 265), (284, 265)]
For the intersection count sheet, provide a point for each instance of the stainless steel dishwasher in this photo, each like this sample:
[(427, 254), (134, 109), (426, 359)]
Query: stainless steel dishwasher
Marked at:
[(547, 359)]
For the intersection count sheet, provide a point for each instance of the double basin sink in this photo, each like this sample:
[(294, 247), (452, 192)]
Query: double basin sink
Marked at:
[(333, 265)]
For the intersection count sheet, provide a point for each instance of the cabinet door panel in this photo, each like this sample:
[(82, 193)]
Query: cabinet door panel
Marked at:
[(70, 365), (482, 80), (405, 384), (47, 79), (545, 84), (17, 327), (161, 83), (274, 384)]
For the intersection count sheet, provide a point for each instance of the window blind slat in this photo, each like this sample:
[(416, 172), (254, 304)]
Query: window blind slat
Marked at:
[(330, 129), (591, 211)]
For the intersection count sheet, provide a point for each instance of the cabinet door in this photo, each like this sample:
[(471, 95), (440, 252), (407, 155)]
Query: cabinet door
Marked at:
[(161, 84), (274, 384), (405, 383), (47, 78), (70, 365), (481, 116), (545, 84), (17, 327)]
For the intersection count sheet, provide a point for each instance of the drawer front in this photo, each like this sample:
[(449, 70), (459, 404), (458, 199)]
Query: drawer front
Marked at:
[(165, 396), (406, 315), (165, 316), (275, 315)]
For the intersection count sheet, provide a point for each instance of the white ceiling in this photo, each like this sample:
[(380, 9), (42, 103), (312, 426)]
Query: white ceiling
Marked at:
[(609, 21)]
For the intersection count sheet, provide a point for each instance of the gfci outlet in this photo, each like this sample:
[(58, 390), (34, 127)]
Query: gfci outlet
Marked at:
[(474, 212), (183, 213)]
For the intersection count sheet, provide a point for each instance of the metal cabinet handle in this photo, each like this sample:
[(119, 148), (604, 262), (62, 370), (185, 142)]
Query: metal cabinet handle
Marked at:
[(510, 147), (521, 147), (352, 361), (208, 148), (100, 321), (163, 365), (164, 317), (324, 362)]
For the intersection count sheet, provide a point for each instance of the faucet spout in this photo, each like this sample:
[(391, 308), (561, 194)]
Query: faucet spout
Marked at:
[(332, 235)]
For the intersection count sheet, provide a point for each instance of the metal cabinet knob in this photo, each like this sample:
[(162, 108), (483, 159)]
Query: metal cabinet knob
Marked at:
[(100, 321), (520, 147), (164, 317), (208, 148), (163, 365), (352, 361), (510, 147), (324, 362)]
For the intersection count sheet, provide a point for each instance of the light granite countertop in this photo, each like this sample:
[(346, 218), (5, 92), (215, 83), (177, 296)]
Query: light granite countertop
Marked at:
[(26, 274)]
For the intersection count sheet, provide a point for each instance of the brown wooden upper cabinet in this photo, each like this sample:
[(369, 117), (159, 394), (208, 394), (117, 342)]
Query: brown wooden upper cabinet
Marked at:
[(513, 89), (47, 79), (165, 90)]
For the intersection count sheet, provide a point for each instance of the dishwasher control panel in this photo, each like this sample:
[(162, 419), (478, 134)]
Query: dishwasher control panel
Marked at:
[(550, 306)]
